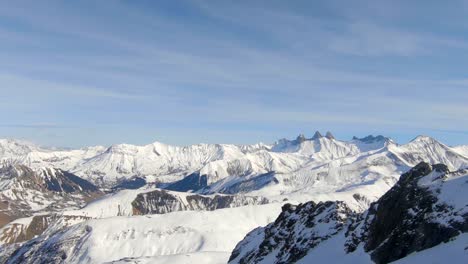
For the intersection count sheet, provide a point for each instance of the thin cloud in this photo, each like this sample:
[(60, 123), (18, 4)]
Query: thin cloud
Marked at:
[(20, 82)]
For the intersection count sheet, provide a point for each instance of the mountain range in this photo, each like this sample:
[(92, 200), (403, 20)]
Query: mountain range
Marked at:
[(207, 197)]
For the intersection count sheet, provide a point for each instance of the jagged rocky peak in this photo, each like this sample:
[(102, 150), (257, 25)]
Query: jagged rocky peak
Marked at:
[(301, 138), (425, 208), (414, 215), (317, 135), (329, 135), (296, 230)]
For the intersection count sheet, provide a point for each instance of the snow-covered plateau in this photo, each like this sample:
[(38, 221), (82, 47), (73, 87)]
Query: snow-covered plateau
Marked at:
[(332, 199)]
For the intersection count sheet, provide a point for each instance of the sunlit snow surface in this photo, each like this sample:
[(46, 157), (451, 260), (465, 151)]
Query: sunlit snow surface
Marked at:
[(357, 172)]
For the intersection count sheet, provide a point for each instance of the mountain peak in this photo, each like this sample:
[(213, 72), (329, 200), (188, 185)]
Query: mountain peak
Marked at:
[(18, 147), (317, 135), (329, 135), (301, 138), (423, 139)]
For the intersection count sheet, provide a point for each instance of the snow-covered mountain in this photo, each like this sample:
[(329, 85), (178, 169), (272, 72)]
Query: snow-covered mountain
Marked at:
[(26, 153), (122, 203), (299, 161), (24, 191), (200, 181), (427, 208), (320, 168)]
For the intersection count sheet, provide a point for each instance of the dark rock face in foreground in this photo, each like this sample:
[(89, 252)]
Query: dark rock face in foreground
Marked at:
[(405, 219), (412, 216), (296, 230), (161, 202)]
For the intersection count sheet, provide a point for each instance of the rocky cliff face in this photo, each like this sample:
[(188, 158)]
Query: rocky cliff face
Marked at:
[(410, 216), (425, 208), (161, 202), (296, 230)]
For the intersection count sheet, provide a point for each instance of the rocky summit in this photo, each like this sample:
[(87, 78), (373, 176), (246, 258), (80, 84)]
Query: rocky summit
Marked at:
[(424, 210)]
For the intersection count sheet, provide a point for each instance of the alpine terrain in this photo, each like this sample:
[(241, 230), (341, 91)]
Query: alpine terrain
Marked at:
[(311, 199)]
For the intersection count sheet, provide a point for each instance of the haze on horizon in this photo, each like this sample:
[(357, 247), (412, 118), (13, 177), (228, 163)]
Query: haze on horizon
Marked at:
[(98, 72)]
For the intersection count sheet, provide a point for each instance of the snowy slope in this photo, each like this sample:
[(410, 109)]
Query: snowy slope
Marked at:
[(206, 234), (122, 203), (125, 202), (463, 150), (426, 208)]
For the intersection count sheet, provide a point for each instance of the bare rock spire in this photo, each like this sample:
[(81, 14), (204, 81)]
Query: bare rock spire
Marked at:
[(317, 135), (329, 135)]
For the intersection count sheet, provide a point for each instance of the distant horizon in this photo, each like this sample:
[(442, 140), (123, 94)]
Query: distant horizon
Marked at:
[(308, 137), (80, 73)]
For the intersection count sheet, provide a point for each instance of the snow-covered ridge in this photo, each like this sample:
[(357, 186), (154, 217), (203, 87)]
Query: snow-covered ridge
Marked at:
[(316, 168), (426, 208), (164, 163)]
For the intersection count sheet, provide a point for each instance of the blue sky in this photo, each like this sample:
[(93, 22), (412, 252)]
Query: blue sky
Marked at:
[(75, 73)]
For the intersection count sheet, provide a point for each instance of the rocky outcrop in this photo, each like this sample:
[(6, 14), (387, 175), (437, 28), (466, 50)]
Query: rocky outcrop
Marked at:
[(329, 135), (425, 208), (296, 230), (161, 202), (408, 218), (317, 135)]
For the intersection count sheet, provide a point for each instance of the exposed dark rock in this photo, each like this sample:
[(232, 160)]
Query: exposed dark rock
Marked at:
[(317, 135), (301, 138), (296, 230), (401, 219), (410, 217), (161, 202)]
